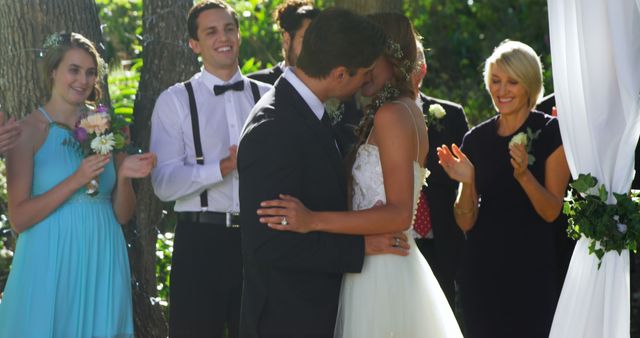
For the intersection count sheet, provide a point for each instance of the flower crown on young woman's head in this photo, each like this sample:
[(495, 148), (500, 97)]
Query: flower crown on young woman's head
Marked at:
[(57, 40), (53, 40)]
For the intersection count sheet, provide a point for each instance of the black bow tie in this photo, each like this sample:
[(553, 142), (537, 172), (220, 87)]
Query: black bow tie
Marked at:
[(237, 86)]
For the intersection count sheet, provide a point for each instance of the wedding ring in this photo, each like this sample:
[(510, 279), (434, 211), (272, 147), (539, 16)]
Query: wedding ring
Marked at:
[(396, 242), (284, 221)]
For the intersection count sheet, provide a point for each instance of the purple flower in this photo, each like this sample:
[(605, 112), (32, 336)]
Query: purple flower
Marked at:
[(101, 109), (80, 134)]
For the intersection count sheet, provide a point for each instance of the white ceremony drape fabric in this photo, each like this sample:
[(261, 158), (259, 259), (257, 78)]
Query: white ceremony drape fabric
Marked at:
[(595, 52)]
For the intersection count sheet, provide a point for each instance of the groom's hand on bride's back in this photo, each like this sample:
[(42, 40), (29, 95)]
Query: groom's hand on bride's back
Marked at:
[(393, 243)]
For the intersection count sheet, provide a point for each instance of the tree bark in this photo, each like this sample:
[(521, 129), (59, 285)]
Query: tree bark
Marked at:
[(23, 27), (167, 59), (371, 6)]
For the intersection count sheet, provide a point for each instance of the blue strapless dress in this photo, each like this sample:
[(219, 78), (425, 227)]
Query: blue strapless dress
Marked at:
[(70, 273)]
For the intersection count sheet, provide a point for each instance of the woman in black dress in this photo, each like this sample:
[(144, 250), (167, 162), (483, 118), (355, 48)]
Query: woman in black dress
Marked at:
[(511, 190)]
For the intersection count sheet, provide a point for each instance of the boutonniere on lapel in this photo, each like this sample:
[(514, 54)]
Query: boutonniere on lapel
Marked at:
[(435, 115), (527, 140), (335, 110)]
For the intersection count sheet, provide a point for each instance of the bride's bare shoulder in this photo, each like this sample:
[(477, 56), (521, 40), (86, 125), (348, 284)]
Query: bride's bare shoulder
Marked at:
[(393, 114)]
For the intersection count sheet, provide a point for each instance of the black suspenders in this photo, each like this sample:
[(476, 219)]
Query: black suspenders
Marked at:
[(254, 91), (195, 126)]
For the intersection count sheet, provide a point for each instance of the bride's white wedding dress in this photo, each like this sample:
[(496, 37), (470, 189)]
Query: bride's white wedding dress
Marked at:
[(393, 296)]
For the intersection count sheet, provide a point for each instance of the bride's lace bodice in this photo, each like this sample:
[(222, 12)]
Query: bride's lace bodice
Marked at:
[(368, 183), (405, 288)]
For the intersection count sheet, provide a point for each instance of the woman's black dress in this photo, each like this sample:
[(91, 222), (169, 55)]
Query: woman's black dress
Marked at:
[(508, 279)]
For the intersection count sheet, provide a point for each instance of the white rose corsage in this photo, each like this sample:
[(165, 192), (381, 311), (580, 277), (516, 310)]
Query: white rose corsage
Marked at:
[(335, 110), (526, 139), (436, 113)]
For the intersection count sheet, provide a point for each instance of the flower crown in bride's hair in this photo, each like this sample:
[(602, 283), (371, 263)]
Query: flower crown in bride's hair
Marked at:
[(394, 51)]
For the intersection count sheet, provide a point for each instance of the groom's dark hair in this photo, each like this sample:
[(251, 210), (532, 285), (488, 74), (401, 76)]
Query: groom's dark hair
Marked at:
[(339, 37)]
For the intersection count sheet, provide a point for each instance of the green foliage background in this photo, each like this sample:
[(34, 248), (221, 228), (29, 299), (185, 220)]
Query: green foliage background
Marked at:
[(459, 35)]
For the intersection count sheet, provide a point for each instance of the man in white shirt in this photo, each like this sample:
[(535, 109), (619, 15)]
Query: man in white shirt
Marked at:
[(195, 130)]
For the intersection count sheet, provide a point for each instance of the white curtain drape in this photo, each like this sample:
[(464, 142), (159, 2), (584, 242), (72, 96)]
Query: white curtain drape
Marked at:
[(595, 52)]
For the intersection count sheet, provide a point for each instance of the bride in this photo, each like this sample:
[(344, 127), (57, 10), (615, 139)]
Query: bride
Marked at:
[(393, 296)]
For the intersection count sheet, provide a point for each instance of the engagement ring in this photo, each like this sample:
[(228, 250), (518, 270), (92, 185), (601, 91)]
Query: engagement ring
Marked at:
[(284, 221), (396, 242)]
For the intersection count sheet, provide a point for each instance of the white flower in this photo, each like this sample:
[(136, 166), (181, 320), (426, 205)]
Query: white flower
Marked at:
[(616, 218), (519, 138), (622, 228), (437, 111), (335, 109), (5, 253), (103, 144)]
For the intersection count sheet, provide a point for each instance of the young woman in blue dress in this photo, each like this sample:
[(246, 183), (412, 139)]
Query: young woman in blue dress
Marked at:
[(70, 273)]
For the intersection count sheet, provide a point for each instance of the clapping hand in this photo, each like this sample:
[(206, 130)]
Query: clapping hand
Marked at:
[(9, 133), (456, 164), (286, 213), (233, 157), (229, 163), (137, 166)]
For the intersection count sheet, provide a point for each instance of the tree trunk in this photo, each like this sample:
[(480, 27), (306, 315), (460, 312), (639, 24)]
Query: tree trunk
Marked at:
[(371, 6), (167, 59), (23, 27)]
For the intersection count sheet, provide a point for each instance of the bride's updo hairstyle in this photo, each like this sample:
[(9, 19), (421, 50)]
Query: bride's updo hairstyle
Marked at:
[(522, 63), (56, 47)]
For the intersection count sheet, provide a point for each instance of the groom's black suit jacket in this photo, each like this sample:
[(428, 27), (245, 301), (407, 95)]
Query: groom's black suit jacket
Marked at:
[(291, 281)]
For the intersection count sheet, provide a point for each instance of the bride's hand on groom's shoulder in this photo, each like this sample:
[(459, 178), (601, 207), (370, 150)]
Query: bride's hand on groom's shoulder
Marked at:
[(392, 243), (286, 213)]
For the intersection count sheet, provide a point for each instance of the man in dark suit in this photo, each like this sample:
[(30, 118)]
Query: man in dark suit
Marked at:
[(442, 244), (547, 104), (293, 17), (292, 281)]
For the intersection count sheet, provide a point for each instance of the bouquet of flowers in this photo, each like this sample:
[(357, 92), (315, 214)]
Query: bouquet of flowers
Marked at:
[(99, 131)]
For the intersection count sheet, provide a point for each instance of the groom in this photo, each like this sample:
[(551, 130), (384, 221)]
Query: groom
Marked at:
[(292, 281)]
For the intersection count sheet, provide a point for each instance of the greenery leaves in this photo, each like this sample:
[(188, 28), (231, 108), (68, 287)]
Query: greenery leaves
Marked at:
[(609, 227)]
